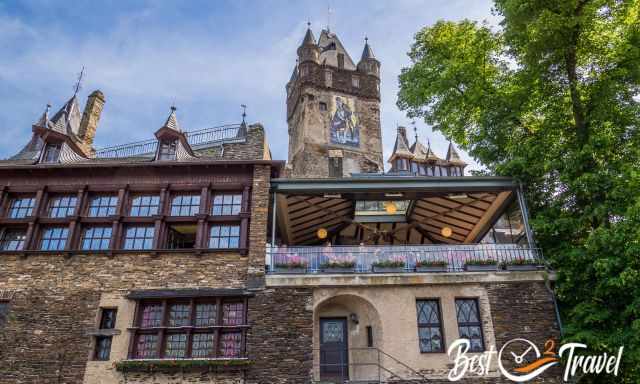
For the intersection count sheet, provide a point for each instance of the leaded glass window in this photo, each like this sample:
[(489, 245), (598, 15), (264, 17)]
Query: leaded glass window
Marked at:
[(146, 346), (62, 206), (21, 207), (179, 314), (176, 346), (227, 204), (185, 205), (54, 238), (224, 236), (469, 323), (13, 240), (202, 345), (230, 344), (96, 238), (139, 237), (190, 328), (429, 326), (144, 205), (103, 206)]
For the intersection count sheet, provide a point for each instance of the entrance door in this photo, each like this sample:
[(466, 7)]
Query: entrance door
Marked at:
[(334, 350)]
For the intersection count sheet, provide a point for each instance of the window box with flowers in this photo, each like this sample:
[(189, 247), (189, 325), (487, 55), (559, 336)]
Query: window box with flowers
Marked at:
[(291, 265), (432, 266), (522, 265), (338, 265), (393, 265), (481, 265)]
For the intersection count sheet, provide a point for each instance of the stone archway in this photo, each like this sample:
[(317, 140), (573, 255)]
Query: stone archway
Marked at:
[(361, 318)]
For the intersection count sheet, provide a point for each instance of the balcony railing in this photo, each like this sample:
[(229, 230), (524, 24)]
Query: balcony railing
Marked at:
[(216, 135), (420, 258)]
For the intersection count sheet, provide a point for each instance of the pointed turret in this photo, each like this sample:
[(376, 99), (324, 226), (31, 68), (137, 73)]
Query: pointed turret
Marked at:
[(368, 62), (417, 149), (401, 155), (453, 156), (172, 142), (309, 50), (67, 119), (172, 120)]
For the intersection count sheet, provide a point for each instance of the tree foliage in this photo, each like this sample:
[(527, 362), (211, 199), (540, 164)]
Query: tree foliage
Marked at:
[(551, 98)]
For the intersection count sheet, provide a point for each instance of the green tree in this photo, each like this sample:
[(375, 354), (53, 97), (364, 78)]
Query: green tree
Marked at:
[(550, 97)]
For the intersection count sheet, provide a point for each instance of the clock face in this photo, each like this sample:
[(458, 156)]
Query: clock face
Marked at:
[(520, 360)]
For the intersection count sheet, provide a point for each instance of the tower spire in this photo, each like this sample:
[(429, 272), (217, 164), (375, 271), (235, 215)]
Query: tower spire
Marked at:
[(78, 85)]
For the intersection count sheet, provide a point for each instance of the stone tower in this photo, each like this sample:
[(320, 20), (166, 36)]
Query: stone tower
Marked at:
[(333, 110)]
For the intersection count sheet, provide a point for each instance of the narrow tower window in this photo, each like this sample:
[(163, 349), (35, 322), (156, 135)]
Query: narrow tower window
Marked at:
[(341, 60)]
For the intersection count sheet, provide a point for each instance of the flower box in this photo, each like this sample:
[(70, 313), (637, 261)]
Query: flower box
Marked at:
[(431, 268), (338, 269), (181, 365), (290, 271), (480, 267), (521, 267), (377, 269)]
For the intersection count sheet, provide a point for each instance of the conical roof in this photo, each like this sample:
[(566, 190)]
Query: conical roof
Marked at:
[(453, 156), (418, 150), (401, 147), (367, 52), (172, 121), (309, 39), (67, 119)]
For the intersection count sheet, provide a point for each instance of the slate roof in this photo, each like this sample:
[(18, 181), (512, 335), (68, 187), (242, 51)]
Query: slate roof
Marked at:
[(330, 47)]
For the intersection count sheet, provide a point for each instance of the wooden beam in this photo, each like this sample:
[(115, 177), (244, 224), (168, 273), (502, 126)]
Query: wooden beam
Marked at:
[(492, 213), (282, 218)]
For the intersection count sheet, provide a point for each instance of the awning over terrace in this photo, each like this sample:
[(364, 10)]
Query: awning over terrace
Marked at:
[(386, 210)]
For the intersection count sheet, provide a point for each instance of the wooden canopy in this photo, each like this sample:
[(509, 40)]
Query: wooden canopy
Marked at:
[(453, 214)]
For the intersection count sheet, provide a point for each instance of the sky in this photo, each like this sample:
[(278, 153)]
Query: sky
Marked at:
[(206, 57)]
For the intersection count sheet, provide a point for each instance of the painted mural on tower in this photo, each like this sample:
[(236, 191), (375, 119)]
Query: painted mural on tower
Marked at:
[(345, 126)]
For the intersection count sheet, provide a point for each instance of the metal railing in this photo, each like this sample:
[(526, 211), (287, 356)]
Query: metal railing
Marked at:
[(412, 258), (220, 134), (363, 365)]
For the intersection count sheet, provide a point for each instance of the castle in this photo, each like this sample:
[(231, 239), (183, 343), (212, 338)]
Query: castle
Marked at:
[(195, 257)]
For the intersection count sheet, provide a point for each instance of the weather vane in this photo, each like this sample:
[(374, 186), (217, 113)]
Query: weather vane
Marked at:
[(78, 85)]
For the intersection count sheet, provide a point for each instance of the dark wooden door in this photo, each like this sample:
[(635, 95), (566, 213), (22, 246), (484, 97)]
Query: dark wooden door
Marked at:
[(334, 349)]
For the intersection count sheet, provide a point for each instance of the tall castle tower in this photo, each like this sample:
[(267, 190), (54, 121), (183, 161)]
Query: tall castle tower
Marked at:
[(333, 110)]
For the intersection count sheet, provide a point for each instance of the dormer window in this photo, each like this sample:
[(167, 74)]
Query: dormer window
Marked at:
[(401, 165), (52, 153), (168, 150)]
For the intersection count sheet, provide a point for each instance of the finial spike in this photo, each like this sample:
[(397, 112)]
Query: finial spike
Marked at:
[(78, 85), (244, 112)]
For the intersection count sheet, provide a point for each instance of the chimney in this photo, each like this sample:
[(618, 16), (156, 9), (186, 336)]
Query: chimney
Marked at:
[(90, 119)]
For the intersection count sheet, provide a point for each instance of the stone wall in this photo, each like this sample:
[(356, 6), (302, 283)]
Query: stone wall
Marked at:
[(254, 148)]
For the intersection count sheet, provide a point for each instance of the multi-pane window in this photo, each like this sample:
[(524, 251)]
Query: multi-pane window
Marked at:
[(103, 206), (21, 207), (103, 343), (138, 237), (144, 205), (62, 206), (185, 205), (168, 150), (224, 236), (54, 238), (13, 240), (170, 325), (226, 204), (469, 324), (429, 326), (96, 238), (52, 153)]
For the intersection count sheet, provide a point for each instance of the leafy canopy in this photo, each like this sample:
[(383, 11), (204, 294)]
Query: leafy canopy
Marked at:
[(551, 98)]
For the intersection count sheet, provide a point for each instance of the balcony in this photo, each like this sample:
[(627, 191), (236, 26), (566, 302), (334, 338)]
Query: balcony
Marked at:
[(402, 259)]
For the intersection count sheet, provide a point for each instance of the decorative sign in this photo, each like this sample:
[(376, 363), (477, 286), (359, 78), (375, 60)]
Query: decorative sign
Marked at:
[(322, 233), (446, 232), (345, 125)]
